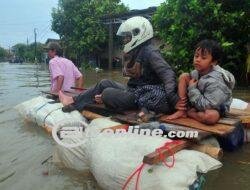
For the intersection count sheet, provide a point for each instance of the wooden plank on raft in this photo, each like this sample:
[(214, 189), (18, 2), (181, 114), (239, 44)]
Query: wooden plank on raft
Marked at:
[(157, 157), (224, 126), (229, 121), (131, 117), (117, 127), (90, 115), (201, 134), (218, 129)]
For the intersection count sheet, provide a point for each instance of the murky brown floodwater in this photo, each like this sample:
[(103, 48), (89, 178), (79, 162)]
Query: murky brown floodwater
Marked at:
[(23, 147)]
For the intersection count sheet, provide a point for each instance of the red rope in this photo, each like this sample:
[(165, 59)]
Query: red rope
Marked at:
[(138, 176), (161, 155), (139, 169), (141, 166)]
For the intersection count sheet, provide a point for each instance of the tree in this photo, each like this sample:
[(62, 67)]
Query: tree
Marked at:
[(27, 52), (3, 54), (30, 53), (19, 50), (79, 24), (182, 23)]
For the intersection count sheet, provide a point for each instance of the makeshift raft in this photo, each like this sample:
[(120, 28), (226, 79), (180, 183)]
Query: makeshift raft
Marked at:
[(113, 159), (226, 127), (47, 113)]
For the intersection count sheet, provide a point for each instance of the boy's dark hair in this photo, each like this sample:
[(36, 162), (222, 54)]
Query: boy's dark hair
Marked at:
[(55, 47), (211, 47)]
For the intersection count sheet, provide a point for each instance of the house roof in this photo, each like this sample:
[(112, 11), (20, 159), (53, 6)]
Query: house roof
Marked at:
[(119, 18), (51, 40)]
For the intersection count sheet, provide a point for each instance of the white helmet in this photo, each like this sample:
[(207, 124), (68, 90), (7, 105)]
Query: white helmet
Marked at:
[(140, 30)]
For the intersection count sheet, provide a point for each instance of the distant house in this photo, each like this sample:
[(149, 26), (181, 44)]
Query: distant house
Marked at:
[(51, 40)]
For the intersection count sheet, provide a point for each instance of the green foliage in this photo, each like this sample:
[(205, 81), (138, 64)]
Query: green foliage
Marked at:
[(79, 25), (183, 23), (19, 50), (3, 54), (27, 52), (86, 66)]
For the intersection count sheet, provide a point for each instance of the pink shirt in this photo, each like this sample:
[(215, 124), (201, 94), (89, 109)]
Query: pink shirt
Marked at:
[(66, 68)]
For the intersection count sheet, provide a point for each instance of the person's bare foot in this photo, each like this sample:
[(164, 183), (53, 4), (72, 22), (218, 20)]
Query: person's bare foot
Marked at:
[(145, 117), (178, 114), (141, 114), (64, 99), (98, 99)]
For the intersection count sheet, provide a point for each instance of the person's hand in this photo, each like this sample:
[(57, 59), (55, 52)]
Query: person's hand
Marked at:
[(193, 82), (98, 99), (181, 104)]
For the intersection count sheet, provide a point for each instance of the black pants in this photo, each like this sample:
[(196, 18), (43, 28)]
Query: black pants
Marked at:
[(114, 96)]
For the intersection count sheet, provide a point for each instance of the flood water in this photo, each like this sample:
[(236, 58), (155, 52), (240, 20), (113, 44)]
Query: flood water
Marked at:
[(24, 147)]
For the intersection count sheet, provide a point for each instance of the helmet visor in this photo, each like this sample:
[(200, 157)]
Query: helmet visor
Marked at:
[(126, 37)]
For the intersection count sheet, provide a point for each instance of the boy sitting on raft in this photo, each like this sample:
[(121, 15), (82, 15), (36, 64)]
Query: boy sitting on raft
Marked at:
[(206, 92)]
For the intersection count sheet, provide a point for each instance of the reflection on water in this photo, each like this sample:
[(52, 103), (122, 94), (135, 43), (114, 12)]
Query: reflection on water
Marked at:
[(24, 146)]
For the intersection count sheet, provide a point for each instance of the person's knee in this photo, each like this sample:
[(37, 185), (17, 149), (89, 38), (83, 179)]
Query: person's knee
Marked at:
[(184, 77), (118, 99), (211, 117), (107, 95), (104, 83)]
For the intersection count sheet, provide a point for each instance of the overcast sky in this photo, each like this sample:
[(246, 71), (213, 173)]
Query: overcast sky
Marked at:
[(18, 18)]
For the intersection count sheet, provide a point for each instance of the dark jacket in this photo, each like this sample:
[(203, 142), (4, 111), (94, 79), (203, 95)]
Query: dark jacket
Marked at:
[(155, 70)]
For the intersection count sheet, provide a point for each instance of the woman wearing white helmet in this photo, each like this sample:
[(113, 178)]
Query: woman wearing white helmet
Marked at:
[(138, 29), (152, 80), (152, 84)]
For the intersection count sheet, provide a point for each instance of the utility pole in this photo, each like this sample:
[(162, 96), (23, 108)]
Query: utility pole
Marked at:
[(110, 44), (27, 41), (37, 79), (35, 33), (9, 55)]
